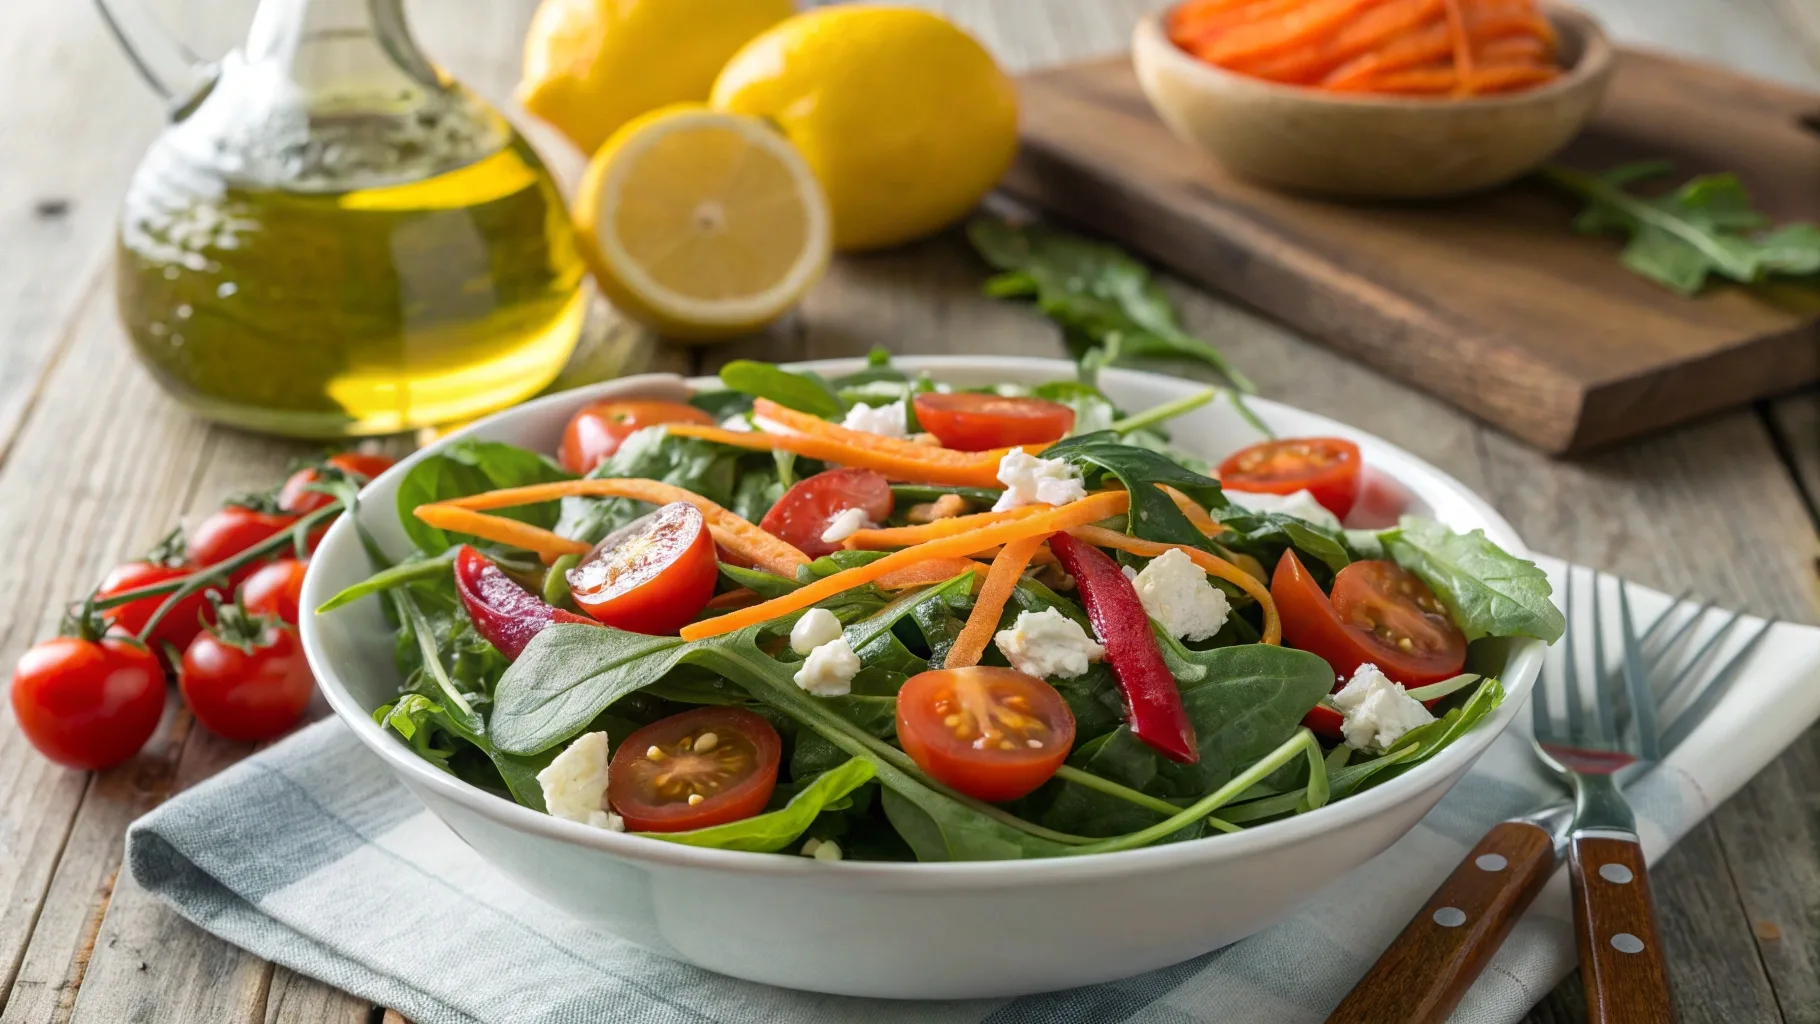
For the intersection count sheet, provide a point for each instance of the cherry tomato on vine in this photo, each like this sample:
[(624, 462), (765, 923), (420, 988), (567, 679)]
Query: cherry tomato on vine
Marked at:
[(976, 422), (178, 627), (703, 767), (650, 576), (805, 511), (597, 431), (275, 589), (296, 497), (232, 529), (246, 677), (1326, 467), (992, 733), (88, 704)]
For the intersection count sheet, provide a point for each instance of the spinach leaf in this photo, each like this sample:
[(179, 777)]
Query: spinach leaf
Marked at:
[(764, 584), (1266, 535), (570, 673), (813, 752), (1488, 591), (939, 829), (804, 392), (470, 467), (714, 471), (1430, 739), (1153, 515), (721, 404), (776, 830), (916, 494)]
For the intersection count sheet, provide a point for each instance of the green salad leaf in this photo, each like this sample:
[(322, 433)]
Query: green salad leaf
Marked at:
[(469, 467), (1489, 591), (777, 830), (1153, 515), (804, 392)]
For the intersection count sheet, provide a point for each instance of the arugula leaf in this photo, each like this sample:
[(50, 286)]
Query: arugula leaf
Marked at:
[(1707, 226), (804, 392), (470, 467), (1488, 591), (776, 830)]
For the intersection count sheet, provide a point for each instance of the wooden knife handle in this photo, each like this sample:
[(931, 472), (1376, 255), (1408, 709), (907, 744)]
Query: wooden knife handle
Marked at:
[(1423, 974), (1621, 964)]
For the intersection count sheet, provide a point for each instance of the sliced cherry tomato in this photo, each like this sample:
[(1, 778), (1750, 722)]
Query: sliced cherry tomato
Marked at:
[(88, 704), (652, 575), (1382, 501), (296, 497), (246, 677), (975, 422), (703, 767), (1326, 467), (232, 529), (803, 514), (505, 614), (992, 733), (596, 432), (276, 589), (178, 627)]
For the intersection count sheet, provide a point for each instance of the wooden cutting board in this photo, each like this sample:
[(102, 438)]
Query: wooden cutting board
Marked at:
[(1490, 302)]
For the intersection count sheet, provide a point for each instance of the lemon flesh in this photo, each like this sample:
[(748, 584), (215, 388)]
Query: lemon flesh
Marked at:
[(702, 224)]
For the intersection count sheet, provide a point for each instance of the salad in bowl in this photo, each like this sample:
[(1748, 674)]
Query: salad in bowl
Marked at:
[(885, 615)]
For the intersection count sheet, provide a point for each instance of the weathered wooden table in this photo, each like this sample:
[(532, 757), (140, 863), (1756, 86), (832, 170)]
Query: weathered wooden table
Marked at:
[(95, 464)]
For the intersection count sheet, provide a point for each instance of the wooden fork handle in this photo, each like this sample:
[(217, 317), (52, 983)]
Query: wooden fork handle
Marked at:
[(1421, 977), (1621, 964)]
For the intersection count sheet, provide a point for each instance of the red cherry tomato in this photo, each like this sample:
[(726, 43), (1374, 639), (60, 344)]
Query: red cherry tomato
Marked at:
[(88, 704), (976, 422), (296, 497), (703, 767), (276, 589), (246, 679), (178, 627), (992, 733), (1326, 467), (802, 515), (232, 529), (650, 576), (1382, 501), (596, 432)]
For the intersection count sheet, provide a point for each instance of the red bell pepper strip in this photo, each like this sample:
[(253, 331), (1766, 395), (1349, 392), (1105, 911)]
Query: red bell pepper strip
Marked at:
[(1153, 703), (505, 614)]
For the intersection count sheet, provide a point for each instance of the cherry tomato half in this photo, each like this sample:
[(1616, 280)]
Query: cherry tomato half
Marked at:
[(802, 515), (276, 589), (1326, 467), (88, 704), (596, 432), (650, 576), (296, 497), (250, 685), (178, 627), (992, 733), (232, 529), (703, 767), (976, 422)]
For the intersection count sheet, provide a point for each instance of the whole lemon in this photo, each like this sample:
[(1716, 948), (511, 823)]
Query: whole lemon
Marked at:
[(906, 119), (593, 65)]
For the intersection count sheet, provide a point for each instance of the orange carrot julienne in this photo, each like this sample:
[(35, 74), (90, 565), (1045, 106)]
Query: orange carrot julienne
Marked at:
[(549, 546), (1193, 510), (904, 536), (982, 621), (1088, 510), (1212, 565), (931, 572), (910, 463)]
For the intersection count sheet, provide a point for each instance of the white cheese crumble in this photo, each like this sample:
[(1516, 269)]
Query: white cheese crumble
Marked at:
[(1301, 505), (739, 423), (1030, 480), (846, 523), (575, 784), (1048, 644), (888, 420), (1378, 711), (1177, 594), (829, 669), (818, 626)]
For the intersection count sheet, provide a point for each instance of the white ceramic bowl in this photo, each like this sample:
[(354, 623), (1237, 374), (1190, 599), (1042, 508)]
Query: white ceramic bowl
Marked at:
[(926, 931)]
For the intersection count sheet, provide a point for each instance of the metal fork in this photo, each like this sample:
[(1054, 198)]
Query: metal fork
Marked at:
[(1628, 719)]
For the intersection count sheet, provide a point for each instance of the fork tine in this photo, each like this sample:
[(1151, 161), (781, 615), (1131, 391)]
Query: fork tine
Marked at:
[(1693, 663), (1570, 668), (1642, 700), (1602, 694), (1541, 714), (1688, 626), (1691, 716), (1656, 649)]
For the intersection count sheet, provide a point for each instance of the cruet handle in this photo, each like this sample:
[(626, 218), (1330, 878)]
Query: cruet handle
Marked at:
[(171, 68)]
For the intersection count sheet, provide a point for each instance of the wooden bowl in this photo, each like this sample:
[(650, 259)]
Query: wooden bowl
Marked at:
[(1344, 144)]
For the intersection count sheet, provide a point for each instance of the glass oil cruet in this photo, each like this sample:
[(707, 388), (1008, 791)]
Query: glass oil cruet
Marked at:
[(332, 237)]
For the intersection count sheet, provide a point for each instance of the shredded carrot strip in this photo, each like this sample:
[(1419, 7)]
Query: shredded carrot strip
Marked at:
[(730, 531), (1461, 44), (549, 546), (935, 570), (1088, 510), (982, 621), (904, 536), (1213, 565), (909, 459), (931, 466), (1193, 510)]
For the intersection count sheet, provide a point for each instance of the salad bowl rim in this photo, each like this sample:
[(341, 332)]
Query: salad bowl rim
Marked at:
[(1524, 664)]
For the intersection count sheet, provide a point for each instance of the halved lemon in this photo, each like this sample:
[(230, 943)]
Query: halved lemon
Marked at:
[(702, 224)]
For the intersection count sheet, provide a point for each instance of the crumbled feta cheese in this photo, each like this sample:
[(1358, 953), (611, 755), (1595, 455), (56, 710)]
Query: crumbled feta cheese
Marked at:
[(846, 523), (739, 423), (1177, 594), (1030, 480), (829, 669), (1048, 643), (828, 850), (817, 626), (575, 784), (1301, 505), (888, 420), (1378, 711)]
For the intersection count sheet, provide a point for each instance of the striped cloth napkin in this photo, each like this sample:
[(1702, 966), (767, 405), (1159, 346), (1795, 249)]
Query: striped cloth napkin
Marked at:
[(310, 855)]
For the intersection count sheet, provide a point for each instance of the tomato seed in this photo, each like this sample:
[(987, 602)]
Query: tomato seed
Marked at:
[(705, 742), (695, 798)]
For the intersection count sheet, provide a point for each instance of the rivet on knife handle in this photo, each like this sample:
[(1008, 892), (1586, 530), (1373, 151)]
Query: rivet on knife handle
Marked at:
[(1421, 977), (1621, 964)]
